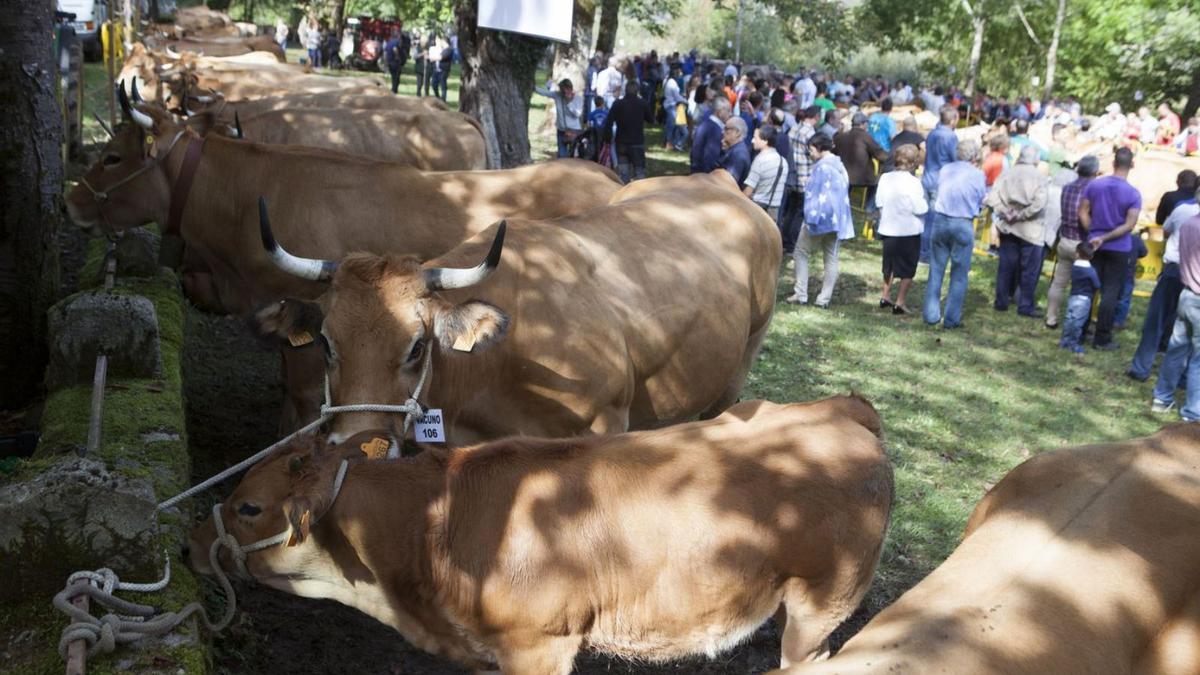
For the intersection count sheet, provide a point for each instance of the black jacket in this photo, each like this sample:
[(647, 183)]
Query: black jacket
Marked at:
[(630, 114)]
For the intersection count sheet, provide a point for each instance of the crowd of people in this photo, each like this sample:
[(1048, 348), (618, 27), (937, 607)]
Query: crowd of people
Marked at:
[(800, 145)]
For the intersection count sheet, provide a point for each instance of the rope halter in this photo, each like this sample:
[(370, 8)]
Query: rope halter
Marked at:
[(101, 196)]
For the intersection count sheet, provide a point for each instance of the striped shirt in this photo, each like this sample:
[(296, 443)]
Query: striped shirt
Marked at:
[(801, 161), (1072, 196)]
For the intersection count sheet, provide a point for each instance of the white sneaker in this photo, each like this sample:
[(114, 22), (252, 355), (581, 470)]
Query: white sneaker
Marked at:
[(795, 299), (1161, 407)]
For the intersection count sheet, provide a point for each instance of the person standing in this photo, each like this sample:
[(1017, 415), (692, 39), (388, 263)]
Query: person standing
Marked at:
[(805, 90), (630, 114), (281, 34), (801, 170), (827, 220), (444, 63), (395, 52), (310, 36), (676, 117), (859, 153), (997, 159), (909, 135), (706, 146), (1185, 337), (940, 150), (610, 82), (764, 185), (1164, 301), (1084, 285), (1185, 189), (1018, 200), (1108, 212), (421, 65), (735, 155), (881, 126), (1070, 235), (961, 189), (568, 113), (902, 207)]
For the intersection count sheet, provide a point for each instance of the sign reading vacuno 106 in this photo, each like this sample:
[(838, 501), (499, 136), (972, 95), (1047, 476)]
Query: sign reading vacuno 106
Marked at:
[(550, 19), (428, 428)]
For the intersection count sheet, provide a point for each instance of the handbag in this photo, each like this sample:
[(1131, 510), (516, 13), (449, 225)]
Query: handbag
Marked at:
[(680, 114)]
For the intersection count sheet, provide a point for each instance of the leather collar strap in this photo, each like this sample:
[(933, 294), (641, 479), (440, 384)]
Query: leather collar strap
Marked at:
[(183, 185)]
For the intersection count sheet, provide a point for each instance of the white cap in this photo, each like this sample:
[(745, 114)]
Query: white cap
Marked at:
[(1113, 108)]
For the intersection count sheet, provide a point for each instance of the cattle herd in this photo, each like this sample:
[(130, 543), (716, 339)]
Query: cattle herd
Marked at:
[(572, 331)]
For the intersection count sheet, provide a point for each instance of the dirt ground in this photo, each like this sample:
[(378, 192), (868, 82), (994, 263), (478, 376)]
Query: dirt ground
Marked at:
[(232, 387)]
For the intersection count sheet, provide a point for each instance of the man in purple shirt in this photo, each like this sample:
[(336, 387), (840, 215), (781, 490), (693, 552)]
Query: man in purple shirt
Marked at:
[(1107, 213), (1185, 338)]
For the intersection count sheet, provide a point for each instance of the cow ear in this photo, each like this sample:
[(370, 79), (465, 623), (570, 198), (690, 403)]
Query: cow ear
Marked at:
[(471, 326), (297, 322), (300, 516)]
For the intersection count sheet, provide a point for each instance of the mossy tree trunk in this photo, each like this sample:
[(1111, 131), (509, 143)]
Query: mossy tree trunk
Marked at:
[(498, 69), (31, 192)]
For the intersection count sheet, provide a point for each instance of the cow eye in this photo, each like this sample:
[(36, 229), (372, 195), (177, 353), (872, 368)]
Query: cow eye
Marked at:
[(418, 349), (112, 160), (328, 350), (248, 509)]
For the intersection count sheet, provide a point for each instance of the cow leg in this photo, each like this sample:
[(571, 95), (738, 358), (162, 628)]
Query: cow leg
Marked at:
[(543, 655), (610, 421), (731, 393), (806, 633)]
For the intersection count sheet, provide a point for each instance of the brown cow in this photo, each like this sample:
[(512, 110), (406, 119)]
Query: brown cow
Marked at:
[(1083, 560), (430, 141), (595, 324), (328, 203), (223, 45), (520, 553)]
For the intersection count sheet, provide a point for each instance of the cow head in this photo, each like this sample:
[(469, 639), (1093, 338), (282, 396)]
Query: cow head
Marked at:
[(128, 186), (287, 492), (382, 314)]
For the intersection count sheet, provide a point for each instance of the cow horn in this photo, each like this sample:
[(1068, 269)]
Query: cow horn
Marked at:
[(237, 126), (447, 278), (136, 115), (172, 54), (305, 268), (135, 96), (103, 125)]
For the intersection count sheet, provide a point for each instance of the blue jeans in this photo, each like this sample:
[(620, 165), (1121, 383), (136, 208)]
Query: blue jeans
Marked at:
[(314, 57), (1185, 339), (1160, 318), (930, 197), (676, 134), (950, 243), (1079, 310)]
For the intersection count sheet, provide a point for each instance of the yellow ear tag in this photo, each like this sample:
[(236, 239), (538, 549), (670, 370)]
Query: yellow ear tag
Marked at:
[(376, 448), (300, 339), (465, 343)]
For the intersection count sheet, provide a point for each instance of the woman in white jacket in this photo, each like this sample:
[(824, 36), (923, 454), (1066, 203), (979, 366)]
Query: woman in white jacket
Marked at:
[(902, 205)]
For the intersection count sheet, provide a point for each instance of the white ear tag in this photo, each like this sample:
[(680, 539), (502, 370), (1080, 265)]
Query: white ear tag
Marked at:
[(428, 427)]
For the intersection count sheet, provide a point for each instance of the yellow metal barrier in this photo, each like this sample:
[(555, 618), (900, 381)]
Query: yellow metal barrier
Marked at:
[(1149, 267), (110, 31)]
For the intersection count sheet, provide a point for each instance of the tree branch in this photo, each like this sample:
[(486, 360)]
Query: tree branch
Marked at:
[(967, 6), (1028, 28)]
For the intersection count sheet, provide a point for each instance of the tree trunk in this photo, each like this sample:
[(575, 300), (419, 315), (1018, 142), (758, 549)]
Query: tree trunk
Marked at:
[(1193, 102), (606, 34), (339, 17), (978, 23), (31, 162), (497, 80), (570, 60), (1052, 51)]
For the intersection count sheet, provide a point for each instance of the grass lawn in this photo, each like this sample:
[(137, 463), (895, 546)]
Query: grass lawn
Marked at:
[(960, 407)]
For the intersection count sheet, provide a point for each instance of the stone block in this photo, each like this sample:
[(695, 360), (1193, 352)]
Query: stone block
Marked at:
[(137, 253), (76, 512), (124, 327)]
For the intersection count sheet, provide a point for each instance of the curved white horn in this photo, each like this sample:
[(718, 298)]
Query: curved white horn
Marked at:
[(204, 99), (305, 268), (136, 115), (447, 278), (165, 67), (172, 54)]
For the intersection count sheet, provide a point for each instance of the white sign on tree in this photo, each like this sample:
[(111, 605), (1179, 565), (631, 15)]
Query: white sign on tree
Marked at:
[(550, 19)]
